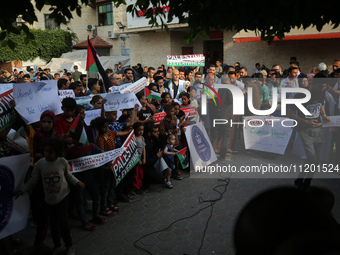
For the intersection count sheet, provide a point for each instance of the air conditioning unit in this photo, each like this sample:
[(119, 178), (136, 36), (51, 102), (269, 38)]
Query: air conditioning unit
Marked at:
[(19, 19), (91, 27), (112, 35)]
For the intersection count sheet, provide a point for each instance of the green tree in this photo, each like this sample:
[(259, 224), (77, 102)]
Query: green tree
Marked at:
[(270, 18), (48, 44)]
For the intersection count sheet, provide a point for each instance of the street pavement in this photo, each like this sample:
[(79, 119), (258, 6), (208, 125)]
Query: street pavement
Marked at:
[(178, 221)]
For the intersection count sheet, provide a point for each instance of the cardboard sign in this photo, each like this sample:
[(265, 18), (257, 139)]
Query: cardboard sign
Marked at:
[(34, 98), (66, 93), (120, 101), (272, 136), (117, 89), (135, 87), (5, 87), (17, 142), (90, 115), (185, 60)]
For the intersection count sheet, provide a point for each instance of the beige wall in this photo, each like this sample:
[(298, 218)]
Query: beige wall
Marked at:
[(89, 17), (309, 53), (150, 48)]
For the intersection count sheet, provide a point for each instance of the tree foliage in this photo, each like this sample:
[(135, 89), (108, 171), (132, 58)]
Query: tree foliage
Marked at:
[(47, 44), (270, 18)]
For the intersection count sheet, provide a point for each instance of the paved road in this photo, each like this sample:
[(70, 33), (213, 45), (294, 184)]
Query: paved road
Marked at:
[(160, 208)]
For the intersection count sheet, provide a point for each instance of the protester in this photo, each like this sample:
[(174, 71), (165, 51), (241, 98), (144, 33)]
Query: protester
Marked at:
[(54, 171)]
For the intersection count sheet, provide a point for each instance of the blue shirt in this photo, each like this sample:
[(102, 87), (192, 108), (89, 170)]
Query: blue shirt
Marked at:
[(117, 127)]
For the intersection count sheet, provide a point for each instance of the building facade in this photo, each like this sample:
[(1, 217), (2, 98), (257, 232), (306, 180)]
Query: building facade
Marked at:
[(150, 45)]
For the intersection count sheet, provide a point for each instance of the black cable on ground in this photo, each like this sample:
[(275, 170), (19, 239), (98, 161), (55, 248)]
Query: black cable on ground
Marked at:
[(201, 201)]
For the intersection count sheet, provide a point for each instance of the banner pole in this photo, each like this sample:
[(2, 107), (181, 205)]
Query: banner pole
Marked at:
[(87, 80)]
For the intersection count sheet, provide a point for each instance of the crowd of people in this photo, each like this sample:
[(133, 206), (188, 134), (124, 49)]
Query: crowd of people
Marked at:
[(50, 141)]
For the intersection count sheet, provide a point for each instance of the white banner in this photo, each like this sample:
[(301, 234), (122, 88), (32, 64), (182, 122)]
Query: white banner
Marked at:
[(119, 88), (90, 115), (264, 133), (135, 87), (94, 161), (335, 122), (66, 93), (120, 101), (13, 213), (185, 60), (5, 87), (33, 98), (201, 151), (17, 142)]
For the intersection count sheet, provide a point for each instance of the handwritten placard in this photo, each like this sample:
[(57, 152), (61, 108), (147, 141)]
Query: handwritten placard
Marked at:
[(135, 87), (90, 115), (34, 98), (5, 87), (114, 89), (120, 101), (267, 133), (66, 93)]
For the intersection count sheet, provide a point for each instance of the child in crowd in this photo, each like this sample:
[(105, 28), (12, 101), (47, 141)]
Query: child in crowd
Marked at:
[(106, 142), (54, 172), (77, 88), (153, 86), (94, 87), (165, 100), (138, 127), (89, 178), (38, 205), (168, 125), (145, 114), (177, 107), (95, 103), (193, 103), (169, 153), (117, 126), (185, 100), (64, 122)]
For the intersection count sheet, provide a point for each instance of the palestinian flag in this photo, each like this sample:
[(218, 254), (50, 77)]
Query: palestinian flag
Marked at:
[(151, 94), (182, 156), (77, 131), (93, 64)]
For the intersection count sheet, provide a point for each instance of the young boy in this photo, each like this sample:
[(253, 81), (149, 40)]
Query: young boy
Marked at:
[(167, 126), (116, 126), (63, 123), (193, 103), (90, 178), (145, 115)]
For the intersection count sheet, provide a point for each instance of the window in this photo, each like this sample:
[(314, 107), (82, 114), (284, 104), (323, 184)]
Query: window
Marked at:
[(50, 23), (105, 15)]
